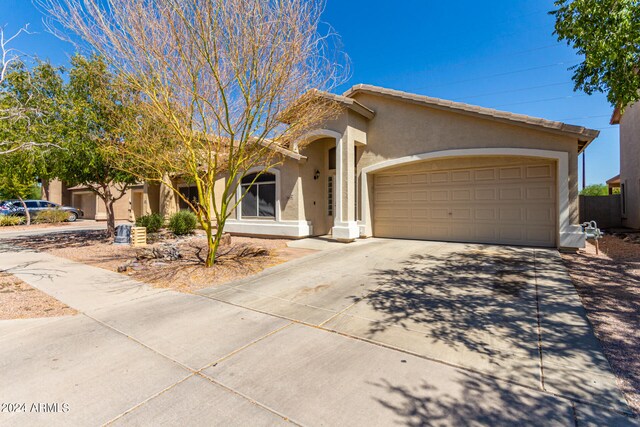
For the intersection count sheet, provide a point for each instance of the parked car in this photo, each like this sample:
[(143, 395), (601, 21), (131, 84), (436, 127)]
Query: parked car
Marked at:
[(14, 207)]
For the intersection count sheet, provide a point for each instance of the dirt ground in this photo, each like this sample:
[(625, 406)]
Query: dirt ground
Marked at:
[(20, 301), (609, 286), (243, 257)]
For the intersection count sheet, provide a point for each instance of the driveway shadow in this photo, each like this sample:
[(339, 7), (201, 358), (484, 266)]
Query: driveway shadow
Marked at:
[(460, 298), (508, 312)]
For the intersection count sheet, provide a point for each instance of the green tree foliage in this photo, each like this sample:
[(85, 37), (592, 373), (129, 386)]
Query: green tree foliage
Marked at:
[(607, 34), (18, 173), (93, 111), (595, 190), (30, 108), (72, 125)]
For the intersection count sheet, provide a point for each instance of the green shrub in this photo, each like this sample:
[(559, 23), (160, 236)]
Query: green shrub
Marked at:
[(51, 216), (183, 222), (6, 220), (595, 190), (153, 222)]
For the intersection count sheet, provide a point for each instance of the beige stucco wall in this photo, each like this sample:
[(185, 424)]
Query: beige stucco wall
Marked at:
[(401, 129), (56, 191), (290, 195), (630, 164)]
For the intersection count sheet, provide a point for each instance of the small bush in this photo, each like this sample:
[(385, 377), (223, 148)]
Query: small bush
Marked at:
[(51, 216), (7, 220), (595, 190), (153, 222), (183, 222)]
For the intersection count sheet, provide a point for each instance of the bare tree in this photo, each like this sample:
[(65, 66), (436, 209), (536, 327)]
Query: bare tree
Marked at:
[(9, 54), (17, 113), (234, 82), (9, 110)]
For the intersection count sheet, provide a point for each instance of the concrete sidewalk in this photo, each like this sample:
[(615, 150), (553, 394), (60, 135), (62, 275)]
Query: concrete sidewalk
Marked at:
[(138, 355)]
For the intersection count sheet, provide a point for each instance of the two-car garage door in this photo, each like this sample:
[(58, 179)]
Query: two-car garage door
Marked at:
[(507, 202)]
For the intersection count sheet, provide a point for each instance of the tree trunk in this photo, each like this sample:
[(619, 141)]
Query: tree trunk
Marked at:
[(212, 246), (27, 215), (213, 239), (109, 201), (111, 218)]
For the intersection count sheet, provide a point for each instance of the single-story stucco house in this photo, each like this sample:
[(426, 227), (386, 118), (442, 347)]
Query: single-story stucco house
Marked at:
[(395, 164), (629, 178)]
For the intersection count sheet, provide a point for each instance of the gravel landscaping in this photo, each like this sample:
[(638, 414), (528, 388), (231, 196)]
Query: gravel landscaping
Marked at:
[(609, 286), (156, 263), (21, 301)]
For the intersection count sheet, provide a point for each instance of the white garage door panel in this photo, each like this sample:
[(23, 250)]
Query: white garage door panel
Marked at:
[(510, 204)]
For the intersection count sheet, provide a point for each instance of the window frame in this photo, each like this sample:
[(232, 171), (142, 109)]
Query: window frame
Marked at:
[(240, 193)]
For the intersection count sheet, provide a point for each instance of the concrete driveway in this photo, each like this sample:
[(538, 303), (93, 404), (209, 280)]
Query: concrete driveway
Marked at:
[(377, 332)]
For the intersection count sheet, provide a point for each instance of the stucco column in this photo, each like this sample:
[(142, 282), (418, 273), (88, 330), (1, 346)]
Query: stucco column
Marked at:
[(146, 205), (345, 227), (167, 203), (52, 191)]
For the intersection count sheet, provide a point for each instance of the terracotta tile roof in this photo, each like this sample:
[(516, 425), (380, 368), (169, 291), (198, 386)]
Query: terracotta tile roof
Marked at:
[(581, 132), (349, 103)]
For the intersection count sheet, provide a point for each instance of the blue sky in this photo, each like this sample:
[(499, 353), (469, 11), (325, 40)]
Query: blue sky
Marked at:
[(500, 54)]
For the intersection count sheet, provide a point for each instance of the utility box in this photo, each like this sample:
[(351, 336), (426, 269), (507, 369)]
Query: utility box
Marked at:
[(138, 236), (123, 235)]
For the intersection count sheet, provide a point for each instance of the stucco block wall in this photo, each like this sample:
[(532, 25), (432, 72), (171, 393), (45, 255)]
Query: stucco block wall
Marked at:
[(401, 129), (630, 164)]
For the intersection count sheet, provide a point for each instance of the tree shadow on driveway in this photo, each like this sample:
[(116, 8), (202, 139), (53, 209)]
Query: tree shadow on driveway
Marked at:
[(508, 312), (466, 297)]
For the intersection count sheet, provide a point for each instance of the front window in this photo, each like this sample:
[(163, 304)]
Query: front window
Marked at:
[(191, 194), (259, 196)]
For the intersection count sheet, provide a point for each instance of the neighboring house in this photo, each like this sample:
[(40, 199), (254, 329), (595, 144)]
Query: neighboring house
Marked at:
[(138, 200), (629, 163), (395, 164), (613, 184)]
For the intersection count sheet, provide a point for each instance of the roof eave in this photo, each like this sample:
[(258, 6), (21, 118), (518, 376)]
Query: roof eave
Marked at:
[(350, 103), (616, 116), (579, 132)]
